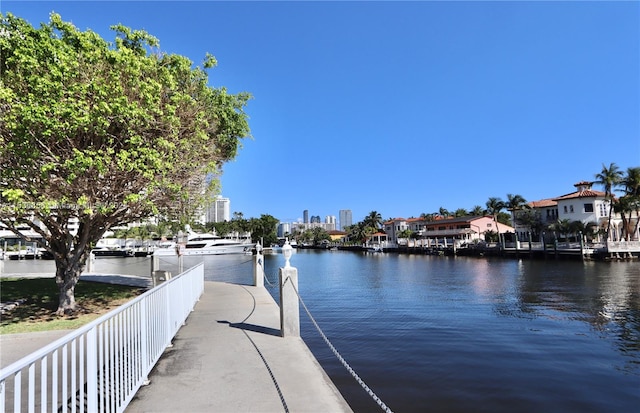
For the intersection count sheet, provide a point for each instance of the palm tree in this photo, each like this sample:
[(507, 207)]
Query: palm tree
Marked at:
[(494, 206), (427, 217), (630, 201), (359, 232), (373, 220), (460, 212), (562, 226), (631, 181), (477, 211), (443, 212), (609, 178), (515, 203)]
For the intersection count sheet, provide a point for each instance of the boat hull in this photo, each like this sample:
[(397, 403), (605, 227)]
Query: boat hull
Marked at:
[(112, 253), (208, 250)]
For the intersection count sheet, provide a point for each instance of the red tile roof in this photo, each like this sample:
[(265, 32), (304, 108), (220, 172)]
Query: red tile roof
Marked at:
[(588, 193), (543, 203)]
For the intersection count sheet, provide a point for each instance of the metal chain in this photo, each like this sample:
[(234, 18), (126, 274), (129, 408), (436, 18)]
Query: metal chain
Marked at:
[(268, 282), (346, 365)]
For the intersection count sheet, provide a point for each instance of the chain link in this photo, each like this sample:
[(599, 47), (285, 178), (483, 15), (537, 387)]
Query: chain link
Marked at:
[(268, 282), (346, 365)]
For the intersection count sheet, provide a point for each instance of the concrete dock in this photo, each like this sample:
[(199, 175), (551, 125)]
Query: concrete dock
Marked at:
[(228, 357)]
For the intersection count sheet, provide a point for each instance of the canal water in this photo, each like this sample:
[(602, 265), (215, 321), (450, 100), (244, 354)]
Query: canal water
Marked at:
[(457, 334)]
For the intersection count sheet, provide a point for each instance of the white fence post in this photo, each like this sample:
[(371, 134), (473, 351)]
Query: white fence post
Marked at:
[(92, 370), (289, 302), (258, 267)]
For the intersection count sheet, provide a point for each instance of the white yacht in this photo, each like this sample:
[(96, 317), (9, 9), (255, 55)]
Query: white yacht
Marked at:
[(207, 244)]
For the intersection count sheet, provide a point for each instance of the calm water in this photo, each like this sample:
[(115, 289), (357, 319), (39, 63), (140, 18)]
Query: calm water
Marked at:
[(445, 334)]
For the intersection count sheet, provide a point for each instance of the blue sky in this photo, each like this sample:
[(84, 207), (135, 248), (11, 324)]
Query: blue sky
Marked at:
[(404, 107)]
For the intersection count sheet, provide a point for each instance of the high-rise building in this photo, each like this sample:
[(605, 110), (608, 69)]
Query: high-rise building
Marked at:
[(284, 229), (345, 218), (315, 219), (219, 210), (305, 216)]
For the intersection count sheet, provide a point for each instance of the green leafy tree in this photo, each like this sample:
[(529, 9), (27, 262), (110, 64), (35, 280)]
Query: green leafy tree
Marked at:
[(221, 228), (264, 229), (104, 132), (239, 223), (318, 235), (531, 219)]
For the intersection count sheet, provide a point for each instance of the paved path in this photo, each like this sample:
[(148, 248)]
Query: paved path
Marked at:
[(229, 357)]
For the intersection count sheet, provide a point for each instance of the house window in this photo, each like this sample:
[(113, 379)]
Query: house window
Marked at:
[(603, 210), (571, 208), (489, 225), (565, 209), (588, 207)]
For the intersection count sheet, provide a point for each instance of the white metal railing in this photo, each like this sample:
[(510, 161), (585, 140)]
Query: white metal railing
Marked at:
[(100, 366)]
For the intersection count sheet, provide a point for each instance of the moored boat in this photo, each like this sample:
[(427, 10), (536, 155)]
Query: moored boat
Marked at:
[(207, 244)]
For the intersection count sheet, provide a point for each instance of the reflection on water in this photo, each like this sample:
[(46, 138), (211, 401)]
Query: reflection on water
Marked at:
[(467, 335), (459, 334)]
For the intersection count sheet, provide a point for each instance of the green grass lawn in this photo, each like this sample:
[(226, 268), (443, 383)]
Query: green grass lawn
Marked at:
[(37, 301)]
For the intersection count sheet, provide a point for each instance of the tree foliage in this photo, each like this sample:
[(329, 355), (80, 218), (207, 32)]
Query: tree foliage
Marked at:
[(104, 133), (264, 229)]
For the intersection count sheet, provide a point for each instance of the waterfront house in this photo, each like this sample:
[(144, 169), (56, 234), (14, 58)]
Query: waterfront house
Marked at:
[(394, 227), (336, 235), (377, 240), (585, 205), (444, 231)]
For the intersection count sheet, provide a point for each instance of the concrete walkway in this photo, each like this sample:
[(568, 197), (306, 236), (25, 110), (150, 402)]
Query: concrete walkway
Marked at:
[(229, 357)]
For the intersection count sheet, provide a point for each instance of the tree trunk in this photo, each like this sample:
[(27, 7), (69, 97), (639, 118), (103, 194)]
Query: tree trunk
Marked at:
[(68, 270), (609, 223)]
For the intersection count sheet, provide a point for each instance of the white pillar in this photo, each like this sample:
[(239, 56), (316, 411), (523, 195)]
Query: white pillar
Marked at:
[(258, 267), (90, 262), (289, 304)]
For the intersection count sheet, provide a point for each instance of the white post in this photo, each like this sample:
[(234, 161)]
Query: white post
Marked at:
[(258, 267), (90, 262), (154, 263), (289, 304)]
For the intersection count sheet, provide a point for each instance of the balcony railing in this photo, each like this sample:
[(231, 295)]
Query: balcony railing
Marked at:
[(100, 366), (623, 246)]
